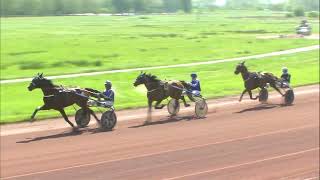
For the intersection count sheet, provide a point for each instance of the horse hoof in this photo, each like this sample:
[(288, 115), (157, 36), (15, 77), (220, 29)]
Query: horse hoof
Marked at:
[(75, 129), (146, 122)]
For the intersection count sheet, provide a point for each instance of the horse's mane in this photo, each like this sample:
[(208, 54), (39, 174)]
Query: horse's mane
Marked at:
[(152, 77), (246, 68), (47, 82)]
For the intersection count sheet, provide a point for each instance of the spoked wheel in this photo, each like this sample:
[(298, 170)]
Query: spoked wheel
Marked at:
[(108, 120), (82, 118), (173, 107), (201, 108), (263, 95), (289, 97)]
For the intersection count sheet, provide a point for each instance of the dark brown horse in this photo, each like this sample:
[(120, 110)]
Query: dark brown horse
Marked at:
[(160, 90), (253, 80), (57, 97)]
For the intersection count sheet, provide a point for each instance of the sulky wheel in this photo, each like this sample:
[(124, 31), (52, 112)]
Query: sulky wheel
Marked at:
[(263, 95), (173, 107), (289, 97), (201, 108), (82, 118), (108, 120)]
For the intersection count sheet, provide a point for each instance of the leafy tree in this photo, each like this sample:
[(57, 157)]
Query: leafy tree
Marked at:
[(186, 6), (305, 4), (121, 6), (298, 11), (139, 5), (171, 5)]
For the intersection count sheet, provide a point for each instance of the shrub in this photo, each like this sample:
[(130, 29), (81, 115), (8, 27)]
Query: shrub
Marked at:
[(298, 11), (98, 63), (31, 65), (289, 15), (313, 14)]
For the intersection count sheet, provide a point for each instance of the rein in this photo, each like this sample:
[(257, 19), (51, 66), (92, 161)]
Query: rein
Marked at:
[(153, 90)]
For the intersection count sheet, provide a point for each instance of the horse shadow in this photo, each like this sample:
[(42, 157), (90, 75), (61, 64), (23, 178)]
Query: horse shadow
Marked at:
[(171, 119), (64, 134), (261, 107)]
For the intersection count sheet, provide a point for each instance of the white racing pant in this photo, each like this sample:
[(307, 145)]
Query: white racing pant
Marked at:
[(196, 93)]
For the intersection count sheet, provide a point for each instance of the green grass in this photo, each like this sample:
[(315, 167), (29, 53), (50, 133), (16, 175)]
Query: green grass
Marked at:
[(61, 45), (218, 80)]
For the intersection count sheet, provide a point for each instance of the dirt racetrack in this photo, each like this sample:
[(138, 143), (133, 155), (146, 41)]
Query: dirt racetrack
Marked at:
[(244, 140)]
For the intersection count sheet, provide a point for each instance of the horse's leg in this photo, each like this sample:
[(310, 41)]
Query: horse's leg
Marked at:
[(149, 117), (250, 94), (184, 102), (157, 105), (190, 97), (44, 107), (244, 91), (63, 113)]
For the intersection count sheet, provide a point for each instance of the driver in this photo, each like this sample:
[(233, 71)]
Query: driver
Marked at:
[(285, 77), (195, 85), (108, 94), (303, 24)]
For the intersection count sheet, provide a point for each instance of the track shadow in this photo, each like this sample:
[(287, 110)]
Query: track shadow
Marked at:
[(86, 130), (171, 119), (54, 136), (98, 130), (260, 108)]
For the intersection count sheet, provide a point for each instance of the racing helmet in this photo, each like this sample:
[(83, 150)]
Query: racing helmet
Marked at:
[(284, 70), (194, 75), (108, 83)]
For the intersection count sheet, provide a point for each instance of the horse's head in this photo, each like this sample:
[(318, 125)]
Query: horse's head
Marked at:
[(39, 81), (144, 78), (141, 79), (186, 85), (240, 68)]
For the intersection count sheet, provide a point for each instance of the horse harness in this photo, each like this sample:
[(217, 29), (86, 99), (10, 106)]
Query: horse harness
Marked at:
[(256, 75)]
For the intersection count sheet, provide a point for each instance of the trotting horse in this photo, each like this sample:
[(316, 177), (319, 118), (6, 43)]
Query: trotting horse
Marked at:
[(57, 98), (159, 90), (253, 80)]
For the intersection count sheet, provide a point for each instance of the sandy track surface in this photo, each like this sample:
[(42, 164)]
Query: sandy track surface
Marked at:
[(236, 141)]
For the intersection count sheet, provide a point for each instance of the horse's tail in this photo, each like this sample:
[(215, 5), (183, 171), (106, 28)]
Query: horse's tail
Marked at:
[(90, 92), (270, 78)]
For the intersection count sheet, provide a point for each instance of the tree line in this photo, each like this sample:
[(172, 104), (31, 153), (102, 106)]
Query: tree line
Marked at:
[(61, 7), (289, 5)]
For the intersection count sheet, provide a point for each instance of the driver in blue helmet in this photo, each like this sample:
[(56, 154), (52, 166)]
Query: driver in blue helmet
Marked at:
[(285, 77), (108, 94), (195, 85)]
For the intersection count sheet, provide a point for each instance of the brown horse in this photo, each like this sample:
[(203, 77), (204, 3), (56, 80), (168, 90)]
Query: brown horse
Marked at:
[(253, 80), (159, 90), (57, 98)]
